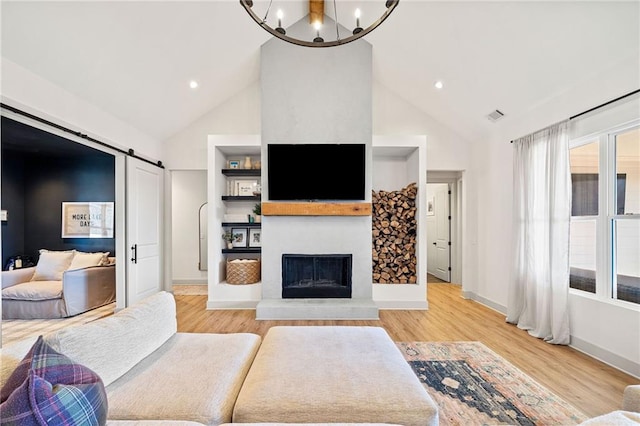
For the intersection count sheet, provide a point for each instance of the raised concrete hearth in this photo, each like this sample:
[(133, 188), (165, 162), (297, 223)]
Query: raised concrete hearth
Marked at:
[(316, 309)]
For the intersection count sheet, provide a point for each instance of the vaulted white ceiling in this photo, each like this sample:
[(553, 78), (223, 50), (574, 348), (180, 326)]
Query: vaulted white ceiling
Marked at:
[(135, 59)]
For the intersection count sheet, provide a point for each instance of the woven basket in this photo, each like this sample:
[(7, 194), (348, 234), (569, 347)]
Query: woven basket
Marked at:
[(247, 272)]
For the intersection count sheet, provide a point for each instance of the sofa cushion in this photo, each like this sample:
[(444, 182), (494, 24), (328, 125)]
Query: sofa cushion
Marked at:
[(49, 388), (614, 418), (34, 290), (113, 345), (192, 377), (329, 374), (52, 264), (11, 355), (83, 260)]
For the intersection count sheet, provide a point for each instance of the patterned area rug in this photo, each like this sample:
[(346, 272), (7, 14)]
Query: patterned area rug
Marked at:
[(15, 330), (473, 385)]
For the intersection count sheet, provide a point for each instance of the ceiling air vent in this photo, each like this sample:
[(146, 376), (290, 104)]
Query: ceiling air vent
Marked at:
[(495, 116)]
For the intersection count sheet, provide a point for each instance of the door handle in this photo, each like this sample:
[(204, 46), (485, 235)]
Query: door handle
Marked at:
[(434, 244), (134, 253)]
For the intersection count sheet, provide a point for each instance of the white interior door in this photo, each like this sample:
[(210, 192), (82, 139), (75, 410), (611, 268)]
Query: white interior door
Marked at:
[(443, 230), (438, 231), (145, 188)]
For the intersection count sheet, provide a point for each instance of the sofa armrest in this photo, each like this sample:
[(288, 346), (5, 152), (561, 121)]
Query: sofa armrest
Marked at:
[(17, 276), (115, 344), (88, 288), (631, 398)]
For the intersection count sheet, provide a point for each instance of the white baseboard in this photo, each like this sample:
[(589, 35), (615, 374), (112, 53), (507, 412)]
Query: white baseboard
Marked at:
[(486, 302), (609, 358)]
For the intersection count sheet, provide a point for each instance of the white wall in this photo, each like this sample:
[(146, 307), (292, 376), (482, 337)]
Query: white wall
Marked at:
[(240, 115), (494, 166), (188, 193), (25, 90)]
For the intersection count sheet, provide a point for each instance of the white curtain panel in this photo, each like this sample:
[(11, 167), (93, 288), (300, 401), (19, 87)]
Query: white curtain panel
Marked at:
[(538, 296)]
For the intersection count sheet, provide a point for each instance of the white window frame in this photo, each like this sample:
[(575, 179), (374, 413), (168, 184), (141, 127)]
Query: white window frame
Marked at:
[(606, 219)]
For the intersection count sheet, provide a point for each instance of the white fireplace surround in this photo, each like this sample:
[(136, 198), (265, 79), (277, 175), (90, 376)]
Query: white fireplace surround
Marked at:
[(396, 161), (316, 235)]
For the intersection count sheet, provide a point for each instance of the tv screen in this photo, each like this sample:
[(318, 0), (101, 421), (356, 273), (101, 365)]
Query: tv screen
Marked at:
[(316, 171)]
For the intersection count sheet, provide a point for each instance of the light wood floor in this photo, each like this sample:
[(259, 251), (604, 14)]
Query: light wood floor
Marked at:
[(590, 385)]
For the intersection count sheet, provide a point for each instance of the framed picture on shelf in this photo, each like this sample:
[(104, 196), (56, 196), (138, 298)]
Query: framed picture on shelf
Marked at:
[(234, 164), (241, 237), (255, 237), (246, 187)]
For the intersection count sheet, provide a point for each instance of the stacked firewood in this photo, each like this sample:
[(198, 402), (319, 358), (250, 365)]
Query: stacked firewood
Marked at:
[(394, 236)]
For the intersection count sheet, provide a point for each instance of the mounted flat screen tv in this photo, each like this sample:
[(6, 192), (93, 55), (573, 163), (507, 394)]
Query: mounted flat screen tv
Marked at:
[(316, 172)]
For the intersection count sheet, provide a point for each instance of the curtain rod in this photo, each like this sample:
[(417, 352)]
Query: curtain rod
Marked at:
[(603, 105), (130, 152)]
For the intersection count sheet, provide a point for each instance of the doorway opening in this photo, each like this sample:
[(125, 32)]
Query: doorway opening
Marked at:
[(42, 170), (189, 232), (444, 226)]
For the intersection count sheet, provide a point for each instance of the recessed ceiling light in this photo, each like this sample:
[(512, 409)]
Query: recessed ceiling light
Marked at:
[(193, 84), (438, 84)]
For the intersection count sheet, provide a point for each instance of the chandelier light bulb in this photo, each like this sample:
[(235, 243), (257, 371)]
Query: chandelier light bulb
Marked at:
[(438, 84), (357, 29), (317, 25), (279, 28), (193, 84)]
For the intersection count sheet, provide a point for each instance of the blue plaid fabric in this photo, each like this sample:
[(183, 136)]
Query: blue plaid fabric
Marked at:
[(47, 388)]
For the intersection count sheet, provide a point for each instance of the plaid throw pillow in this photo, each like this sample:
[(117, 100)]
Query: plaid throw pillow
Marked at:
[(47, 388)]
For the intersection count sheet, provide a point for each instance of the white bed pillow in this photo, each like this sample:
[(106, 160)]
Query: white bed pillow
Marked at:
[(52, 264), (83, 260)]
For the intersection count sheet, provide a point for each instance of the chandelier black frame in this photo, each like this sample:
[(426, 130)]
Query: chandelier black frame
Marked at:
[(318, 41)]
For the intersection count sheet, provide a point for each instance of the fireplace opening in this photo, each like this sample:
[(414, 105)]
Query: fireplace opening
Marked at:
[(316, 276)]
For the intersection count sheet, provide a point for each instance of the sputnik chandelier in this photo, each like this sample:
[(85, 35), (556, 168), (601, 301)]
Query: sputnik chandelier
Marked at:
[(316, 19)]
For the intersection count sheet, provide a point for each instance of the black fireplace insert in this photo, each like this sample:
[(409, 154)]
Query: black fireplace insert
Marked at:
[(316, 276)]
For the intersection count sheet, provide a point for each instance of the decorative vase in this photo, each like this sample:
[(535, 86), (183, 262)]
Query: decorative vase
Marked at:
[(258, 218), (229, 245), (247, 162)]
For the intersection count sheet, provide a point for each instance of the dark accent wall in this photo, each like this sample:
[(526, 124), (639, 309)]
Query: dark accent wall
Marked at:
[(13, 202), (46, 182)]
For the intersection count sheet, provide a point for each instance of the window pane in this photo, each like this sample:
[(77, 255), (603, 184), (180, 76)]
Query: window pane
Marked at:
[(627, 253), (628, 172), (584, 179), (582, 255)]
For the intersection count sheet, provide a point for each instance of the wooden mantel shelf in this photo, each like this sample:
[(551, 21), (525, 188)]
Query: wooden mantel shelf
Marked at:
[(316, 209)]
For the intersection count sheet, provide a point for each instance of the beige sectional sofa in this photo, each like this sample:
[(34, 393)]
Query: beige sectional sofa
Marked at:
[(314, 375), (154, 375), (63, 284)]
